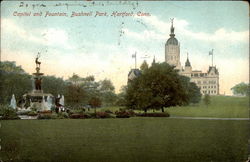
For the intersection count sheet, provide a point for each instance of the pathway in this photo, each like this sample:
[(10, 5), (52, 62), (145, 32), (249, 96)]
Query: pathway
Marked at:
[(207, 118)]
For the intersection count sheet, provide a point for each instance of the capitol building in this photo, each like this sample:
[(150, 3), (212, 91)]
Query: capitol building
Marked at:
[(208, 82)]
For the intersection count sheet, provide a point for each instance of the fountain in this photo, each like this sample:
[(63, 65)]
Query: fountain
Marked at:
[(36, 98), (13, 102), (62, 100), (49, 102)]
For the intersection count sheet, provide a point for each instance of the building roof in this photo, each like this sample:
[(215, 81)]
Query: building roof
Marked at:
[(172, 40), (187, 63), (136, 72), (213, 68)]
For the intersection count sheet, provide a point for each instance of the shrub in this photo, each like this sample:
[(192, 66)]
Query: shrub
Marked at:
[(45, 112), (90, 115), (62, 115), (32, 113), (102, 115), (153, 114), (108, 111), (76, 116), (131, 112), (122, 114), (8, 113), (47, 116)]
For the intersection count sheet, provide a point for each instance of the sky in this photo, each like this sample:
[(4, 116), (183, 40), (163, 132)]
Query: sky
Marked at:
[(102, 44)]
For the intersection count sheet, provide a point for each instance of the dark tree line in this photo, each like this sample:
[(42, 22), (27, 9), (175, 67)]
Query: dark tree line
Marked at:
[(158, 86), (78, 91)]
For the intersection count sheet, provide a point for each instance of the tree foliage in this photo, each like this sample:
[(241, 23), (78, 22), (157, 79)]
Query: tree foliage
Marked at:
[(107, 93), (84, 91), (194, 93), (158, 87), (207, 99), (54, 85), (13, 80), (161, 86), (241, 89), (144, 66), (120, 99)]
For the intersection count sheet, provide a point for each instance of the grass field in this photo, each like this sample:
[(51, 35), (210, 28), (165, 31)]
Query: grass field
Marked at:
[(124, 140), (221, 107), (134, 139)]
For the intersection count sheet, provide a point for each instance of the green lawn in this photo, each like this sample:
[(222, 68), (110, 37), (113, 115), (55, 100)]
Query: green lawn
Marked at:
[(221, 107), (124, 140)]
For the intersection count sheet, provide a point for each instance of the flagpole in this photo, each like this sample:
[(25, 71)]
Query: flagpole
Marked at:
[(212, 57), (135, 60)]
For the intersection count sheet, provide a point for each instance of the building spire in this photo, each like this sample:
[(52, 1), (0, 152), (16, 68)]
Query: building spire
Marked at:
[(172, 28), (153, 60), (187, 62)]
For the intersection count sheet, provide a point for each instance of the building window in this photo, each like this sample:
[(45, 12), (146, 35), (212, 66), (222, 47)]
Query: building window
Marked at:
[(204, 82), (199, 82)]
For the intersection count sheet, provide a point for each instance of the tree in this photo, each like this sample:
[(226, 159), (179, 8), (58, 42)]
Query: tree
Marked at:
[(74, 79), (10, 67), (207, 100), (74, 95), (241, 89), (95, 102), (194, 93), (120, 100), (107, 93), (13, 80), (106, 85), (54, 85), (158, 87), (144, 66)]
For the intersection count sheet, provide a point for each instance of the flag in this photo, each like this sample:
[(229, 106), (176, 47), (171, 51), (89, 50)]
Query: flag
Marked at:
[(211, 52)]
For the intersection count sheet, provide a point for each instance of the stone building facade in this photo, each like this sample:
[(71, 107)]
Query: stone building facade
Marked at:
[(208, 82)]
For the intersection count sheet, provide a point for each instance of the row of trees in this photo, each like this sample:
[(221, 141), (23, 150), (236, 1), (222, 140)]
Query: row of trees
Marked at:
[(77, 90), (157, 87), (87, 91)]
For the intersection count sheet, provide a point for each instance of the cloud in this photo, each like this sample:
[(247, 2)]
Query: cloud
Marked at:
[(55, 37), (48, 37), (145, 35), (163, 28)]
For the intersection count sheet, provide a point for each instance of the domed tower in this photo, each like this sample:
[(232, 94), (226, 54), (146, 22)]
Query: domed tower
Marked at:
[(172, 49)]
